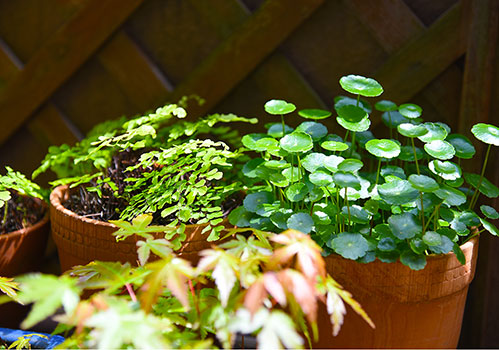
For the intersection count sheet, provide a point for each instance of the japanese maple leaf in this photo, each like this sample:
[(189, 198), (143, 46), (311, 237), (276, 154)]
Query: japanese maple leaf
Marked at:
[(308, 253), (268, 284), (302, 289)]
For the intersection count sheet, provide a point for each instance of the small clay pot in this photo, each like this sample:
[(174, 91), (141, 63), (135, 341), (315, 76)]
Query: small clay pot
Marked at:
[(23, 250), (80, 240), (411, 309)]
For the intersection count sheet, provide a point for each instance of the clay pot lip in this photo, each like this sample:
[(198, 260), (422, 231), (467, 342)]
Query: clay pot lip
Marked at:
[(55, 202), (44, 220)]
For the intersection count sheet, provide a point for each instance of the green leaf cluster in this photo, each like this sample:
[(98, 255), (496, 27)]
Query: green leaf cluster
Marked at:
[(259, 289), (397, 198)]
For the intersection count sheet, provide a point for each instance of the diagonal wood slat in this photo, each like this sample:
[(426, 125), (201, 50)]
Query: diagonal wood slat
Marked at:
[(414, 66), (393, 24), (47, 124), (59, 58), (249, 44), (133, 71)]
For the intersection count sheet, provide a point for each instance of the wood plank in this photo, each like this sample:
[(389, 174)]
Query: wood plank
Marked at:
[(480, 63), (249, 44), (275, 77), (59, 58), (47, 124), (394, 24), (134, 72), (480, 88), (415, 65)]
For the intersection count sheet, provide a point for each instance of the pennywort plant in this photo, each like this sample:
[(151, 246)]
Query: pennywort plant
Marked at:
[(269, 287), (363, 197)]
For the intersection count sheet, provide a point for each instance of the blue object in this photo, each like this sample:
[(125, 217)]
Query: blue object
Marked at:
[(11, 335)]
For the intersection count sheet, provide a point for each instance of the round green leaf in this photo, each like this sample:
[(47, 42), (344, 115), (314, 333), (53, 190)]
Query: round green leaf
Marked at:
[(407, 153), (439, 149), (350, 165), (280, 218), (297, 142), (363, 137), (255, 201), (489, 212), (393, 119), (463, 146), (249, 141), (344, 180), (404, 225), (393, 171), (423, 183), (386, 244), (410, 110), (266, 144), (334, 146), (411, 130), (360, 126), (321, 218), (412, 260), (446, 170), (349, 245), (279, 180), (316, 130), (331, 162), (435, 132), (450, 196), (385, 106), (279, 107), (301, 222), (383, 148), (432, 238), (398, 192), (320, 178), (314, 161), (357, 214), (296, 192), (486, 187), (240, 217), (486, 133), (359, 85), (340, 101), (444, 247), (275, 130), (276, 164), (489, 227), (315, 114), (249, 169), (293, 174), (351, 113)]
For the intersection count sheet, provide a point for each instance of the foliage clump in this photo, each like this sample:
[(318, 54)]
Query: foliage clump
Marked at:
[(402, 197), (182, 173), (266, 285)]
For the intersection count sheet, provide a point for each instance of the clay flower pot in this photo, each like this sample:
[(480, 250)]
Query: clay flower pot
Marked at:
[(80, 240), (22, 250), (411, 309)]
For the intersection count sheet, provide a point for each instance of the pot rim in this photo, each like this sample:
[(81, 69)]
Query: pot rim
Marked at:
[(33, 227), (55, 202)]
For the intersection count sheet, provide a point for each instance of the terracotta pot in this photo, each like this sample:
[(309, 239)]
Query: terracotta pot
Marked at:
[(23, 250), (411, 309), (80, 240)]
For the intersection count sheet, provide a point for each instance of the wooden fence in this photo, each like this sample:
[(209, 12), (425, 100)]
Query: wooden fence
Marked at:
[(66, 65)]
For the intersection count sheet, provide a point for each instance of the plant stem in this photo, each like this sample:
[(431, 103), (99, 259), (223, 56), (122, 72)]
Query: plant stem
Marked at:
[(352, 149), (422, 208), (378, 171), (348, 208), (191, 287), (415, 155), (5, 212), (283, 127), (131, 292), (431, 217), (474, 198)]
